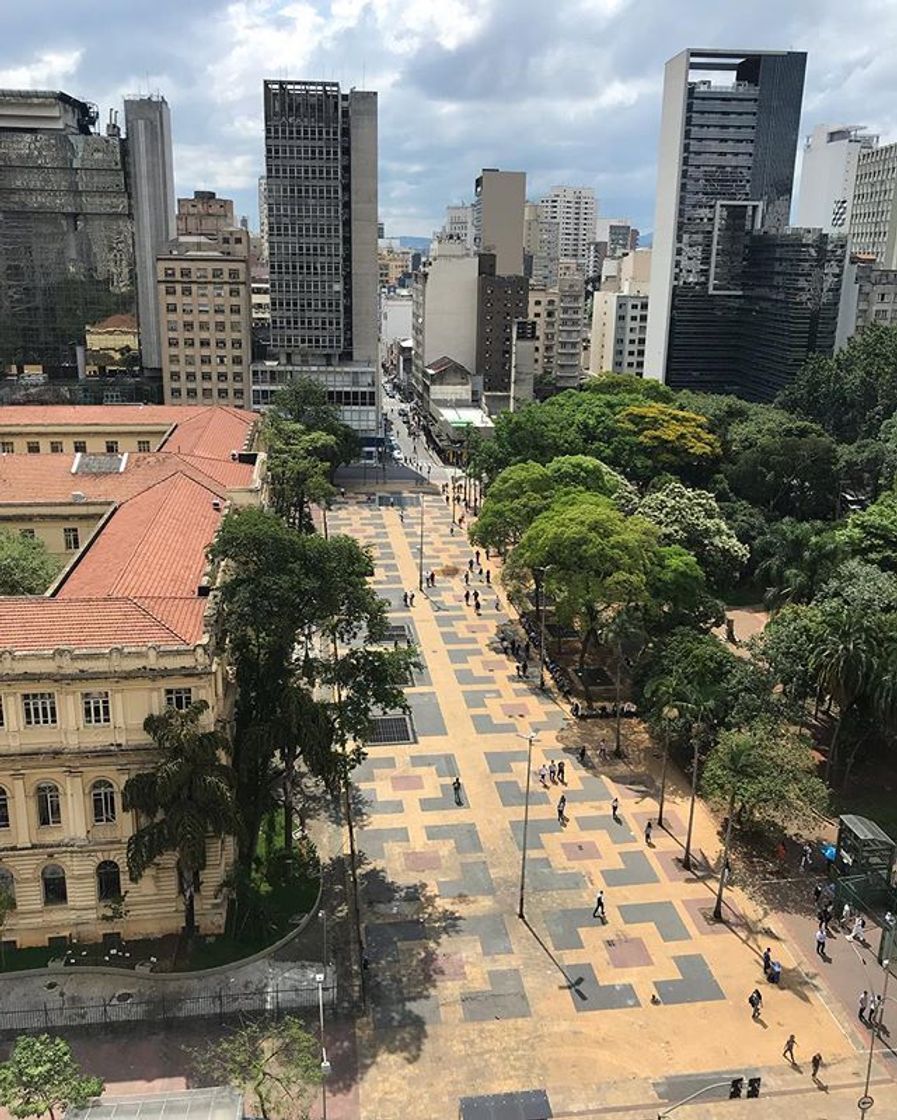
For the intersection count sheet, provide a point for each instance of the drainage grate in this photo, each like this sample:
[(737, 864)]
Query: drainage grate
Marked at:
[(391, 729), (399, 501)]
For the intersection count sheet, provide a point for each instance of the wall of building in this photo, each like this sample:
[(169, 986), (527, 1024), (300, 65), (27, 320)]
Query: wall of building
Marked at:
[(444, 311), (365, 278), (873, 225), (37, 438), (498, 218)]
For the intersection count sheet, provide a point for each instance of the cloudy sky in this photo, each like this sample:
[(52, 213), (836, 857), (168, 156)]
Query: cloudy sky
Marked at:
[(567, 90)]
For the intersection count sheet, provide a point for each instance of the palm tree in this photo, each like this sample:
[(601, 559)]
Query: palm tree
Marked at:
[(624, 632), (845, 662), (797, 558), (187, 797), (736, 757)]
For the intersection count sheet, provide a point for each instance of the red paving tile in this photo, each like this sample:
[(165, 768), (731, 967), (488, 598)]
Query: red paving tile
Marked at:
[(450, 966), (585, 849), (407, 781), (518, 708), (630, 953), (423, 861)]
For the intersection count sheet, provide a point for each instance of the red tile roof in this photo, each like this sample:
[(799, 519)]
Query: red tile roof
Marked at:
[(38, 623), (121, 322)]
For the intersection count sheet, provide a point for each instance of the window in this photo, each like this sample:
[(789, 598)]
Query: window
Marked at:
[(96, 707), (180, 698), (53, 880), (80, 445), (7, 883), (144, 445), (39, 708), (72, 538), (33, 447), (49, 812), (7, 447), (108, 881), (4, 808), (56, 446), (102, 796), (111, 446)]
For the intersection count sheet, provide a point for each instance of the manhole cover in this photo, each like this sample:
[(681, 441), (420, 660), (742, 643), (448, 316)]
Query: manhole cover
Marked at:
[(391, 729)]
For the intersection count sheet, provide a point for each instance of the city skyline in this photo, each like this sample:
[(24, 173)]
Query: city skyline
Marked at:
[(570, 94)]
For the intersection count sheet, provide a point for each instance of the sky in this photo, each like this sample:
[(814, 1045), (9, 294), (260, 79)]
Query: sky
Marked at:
[(566, 90)]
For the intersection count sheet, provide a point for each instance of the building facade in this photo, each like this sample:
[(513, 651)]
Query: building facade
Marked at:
[(725, 169), (568, 370), (873, 219), (263, 219), (66, 229), (620, 317), (502, 300), (541, 247), (543, 314), (614, 237), (321, 172), (828, 176), (151, 179), (459, 223), (499, 199), (868, 295), (575, 209)]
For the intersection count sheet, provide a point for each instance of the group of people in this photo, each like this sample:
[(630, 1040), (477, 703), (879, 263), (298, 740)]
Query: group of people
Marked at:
[(627, 710), (520, 652), (556, 772)]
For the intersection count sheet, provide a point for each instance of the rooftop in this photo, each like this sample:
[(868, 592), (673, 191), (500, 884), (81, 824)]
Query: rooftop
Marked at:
[(219, 1103)]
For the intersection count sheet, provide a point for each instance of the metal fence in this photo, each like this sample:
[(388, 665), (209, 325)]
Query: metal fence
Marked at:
[(59, 1012)]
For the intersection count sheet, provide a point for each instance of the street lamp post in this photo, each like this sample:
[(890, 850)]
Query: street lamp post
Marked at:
[(325, 1064), (686, 859), (322, 917), (420, 574), (875, 1028), (530, 738), (668, 714), (542, 628)]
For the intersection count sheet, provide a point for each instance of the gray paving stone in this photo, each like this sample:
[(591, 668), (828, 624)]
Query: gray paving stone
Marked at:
[(499, 762), (635, 872), (367, 771), (541, 876), (371, 840), (505, 999), (538, 827), (382, 938), (513, 794), (468, 676), (564, 925), (490, 929), (376, 807), (427, 713), (588, 995), (663, 915), (486, 725), (464, 836), (476, 698), (618, 832), (461, 656), (445, 800), (449, 638), (445, 765), (697, 983), (593, 789), (475, 881)]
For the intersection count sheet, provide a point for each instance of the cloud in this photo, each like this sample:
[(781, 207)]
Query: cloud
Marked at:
[(569, 90)]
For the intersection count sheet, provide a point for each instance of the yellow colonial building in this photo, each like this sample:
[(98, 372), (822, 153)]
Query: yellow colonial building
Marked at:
[(127, 629)]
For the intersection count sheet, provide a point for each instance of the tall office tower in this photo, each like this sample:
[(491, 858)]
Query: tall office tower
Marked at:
[(502, 300), (205, 214), (66, 233), (459, 223), (151, 182), (575, 209), (499, 199), (728, 138), (321, 168), (873, 220), (828, 175), (263, 219), (541, 247)]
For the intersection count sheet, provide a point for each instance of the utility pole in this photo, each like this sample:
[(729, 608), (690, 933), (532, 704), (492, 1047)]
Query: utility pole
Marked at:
[(686, 859), (530, 738), (325, 1064), (420, 574), (668, 714)]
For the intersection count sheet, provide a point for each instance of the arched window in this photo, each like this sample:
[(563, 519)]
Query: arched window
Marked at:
[(48, 809), (108, 880), (7, 883), (53, 879), (103, 795), (4, 808)]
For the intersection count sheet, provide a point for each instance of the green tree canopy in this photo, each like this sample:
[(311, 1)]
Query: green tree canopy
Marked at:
[(666, 439), (871, 534), (304, 402), (41, 1076), (26, 567), (861, 586), (794, 558)]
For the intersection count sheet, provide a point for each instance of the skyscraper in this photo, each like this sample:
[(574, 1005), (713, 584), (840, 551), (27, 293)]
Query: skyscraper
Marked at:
[(575, 209), (151, 183), (828, 175), (66, 232), (499, 199), (873, 219), (321, 170), (726, 163)]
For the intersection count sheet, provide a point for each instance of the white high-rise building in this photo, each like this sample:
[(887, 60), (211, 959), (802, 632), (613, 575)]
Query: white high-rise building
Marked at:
[(575, 209), (828, 176), (459, 223), (873, 219), (620, 317)]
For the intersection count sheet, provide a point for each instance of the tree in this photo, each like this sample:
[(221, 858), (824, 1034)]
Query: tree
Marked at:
[(794, 558), (187, 797), (692, 519), (26, 567), (304, 402), (41, 1076), (871, 534), (854, 391), (277, 1065), (299, 466), (730, 764), (861, 586), (786, 647), (665, 439)]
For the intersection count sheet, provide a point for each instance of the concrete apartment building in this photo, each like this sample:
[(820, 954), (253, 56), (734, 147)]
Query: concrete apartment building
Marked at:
[(124, 631), (873, 220), (321, 172), (66, 229), (828, 176), (499, 199), (568, 370), (151, 178), (459, 223), (542, 313), (620, 317), (541, 247), (502, 301), (263, 219), (868, 295), (204, 295), (393, 265), (575, 209), (614, 237)]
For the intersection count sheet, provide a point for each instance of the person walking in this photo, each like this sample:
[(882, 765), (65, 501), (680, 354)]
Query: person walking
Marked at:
[(552, 771), (815, 1063), (562, 806), (476, 556), (864, 1006), (820, 941), (470, 565), (756, 1002), (543, 774), (562, 772), (859, 926), (467, 598), (788, 1052), (456, 787), (488, 576), (874, 1008), (806, 857), (648, 827), (467, 577), (582, 755), (411, 599), (767, 960), (615, 809), (598, 912)]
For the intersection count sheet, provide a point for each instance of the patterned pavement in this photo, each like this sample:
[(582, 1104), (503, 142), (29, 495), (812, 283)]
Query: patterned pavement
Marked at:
[(466, 995)]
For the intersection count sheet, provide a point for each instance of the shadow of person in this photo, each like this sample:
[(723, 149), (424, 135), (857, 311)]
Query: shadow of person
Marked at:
[(820, 1085)]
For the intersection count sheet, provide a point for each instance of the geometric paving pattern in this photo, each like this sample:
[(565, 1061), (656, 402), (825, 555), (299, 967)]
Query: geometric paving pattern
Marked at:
[(662, 915), (695, 985), (504, 999), (588, 994)]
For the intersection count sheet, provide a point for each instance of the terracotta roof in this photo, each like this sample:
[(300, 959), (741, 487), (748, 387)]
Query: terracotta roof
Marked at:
[(37, 623), (122, 322), (212, 432)]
